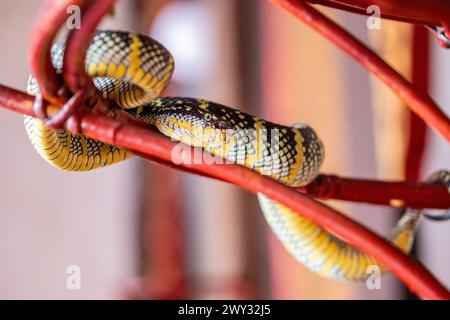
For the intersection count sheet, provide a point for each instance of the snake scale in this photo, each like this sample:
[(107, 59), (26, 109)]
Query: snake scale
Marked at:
[(133, 69)]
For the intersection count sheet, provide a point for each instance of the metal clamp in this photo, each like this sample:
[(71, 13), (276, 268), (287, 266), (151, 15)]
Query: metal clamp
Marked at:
[(441, 35), (443, 177)]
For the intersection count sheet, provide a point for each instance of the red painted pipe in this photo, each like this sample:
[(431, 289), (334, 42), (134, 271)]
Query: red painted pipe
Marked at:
[(78, 42), (398, 194), (417, 11), (417, 128), (49, 19)]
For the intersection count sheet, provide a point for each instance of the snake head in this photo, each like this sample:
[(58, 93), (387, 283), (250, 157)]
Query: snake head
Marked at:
[(184, 119), (204, 113)]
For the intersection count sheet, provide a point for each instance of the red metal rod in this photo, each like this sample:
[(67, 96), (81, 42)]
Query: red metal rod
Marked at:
[(50, 18), (414, 11), (398, 194), (155, 145), (78, 42), (417, 128), (361, 11), (417, 100)]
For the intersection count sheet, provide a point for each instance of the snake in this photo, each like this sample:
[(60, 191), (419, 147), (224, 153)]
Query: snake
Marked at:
[(132, 70)]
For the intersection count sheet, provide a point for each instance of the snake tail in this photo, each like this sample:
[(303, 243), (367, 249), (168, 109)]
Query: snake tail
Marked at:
[(325, 254)]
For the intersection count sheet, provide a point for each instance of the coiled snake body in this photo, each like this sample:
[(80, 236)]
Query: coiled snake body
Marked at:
[(132, 70)]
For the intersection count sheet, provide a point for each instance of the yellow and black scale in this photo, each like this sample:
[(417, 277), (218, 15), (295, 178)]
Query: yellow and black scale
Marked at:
[(133, 69)]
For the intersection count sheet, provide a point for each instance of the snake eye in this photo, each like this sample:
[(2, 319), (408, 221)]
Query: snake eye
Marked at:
[(208, 117)]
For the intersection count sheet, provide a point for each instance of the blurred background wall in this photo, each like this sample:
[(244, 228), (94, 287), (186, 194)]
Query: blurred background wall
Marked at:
[(137, 230), (49, 219)]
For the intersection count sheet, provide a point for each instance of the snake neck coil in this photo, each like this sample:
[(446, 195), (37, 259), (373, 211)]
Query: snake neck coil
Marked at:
[(129, 69)]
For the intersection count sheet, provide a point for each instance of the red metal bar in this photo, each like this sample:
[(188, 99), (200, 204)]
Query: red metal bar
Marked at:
[(398, 194), (417, 127), (415, 11), (133, 137), (162, 236), (78, 41), (50, 18), (417, 100)]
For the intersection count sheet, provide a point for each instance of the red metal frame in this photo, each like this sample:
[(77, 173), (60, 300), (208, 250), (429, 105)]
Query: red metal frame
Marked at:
[(75, 76), (126, 133), (39, 52), (417, 127), (399, 194), (417, 100), (159, 148), (424, 12)]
